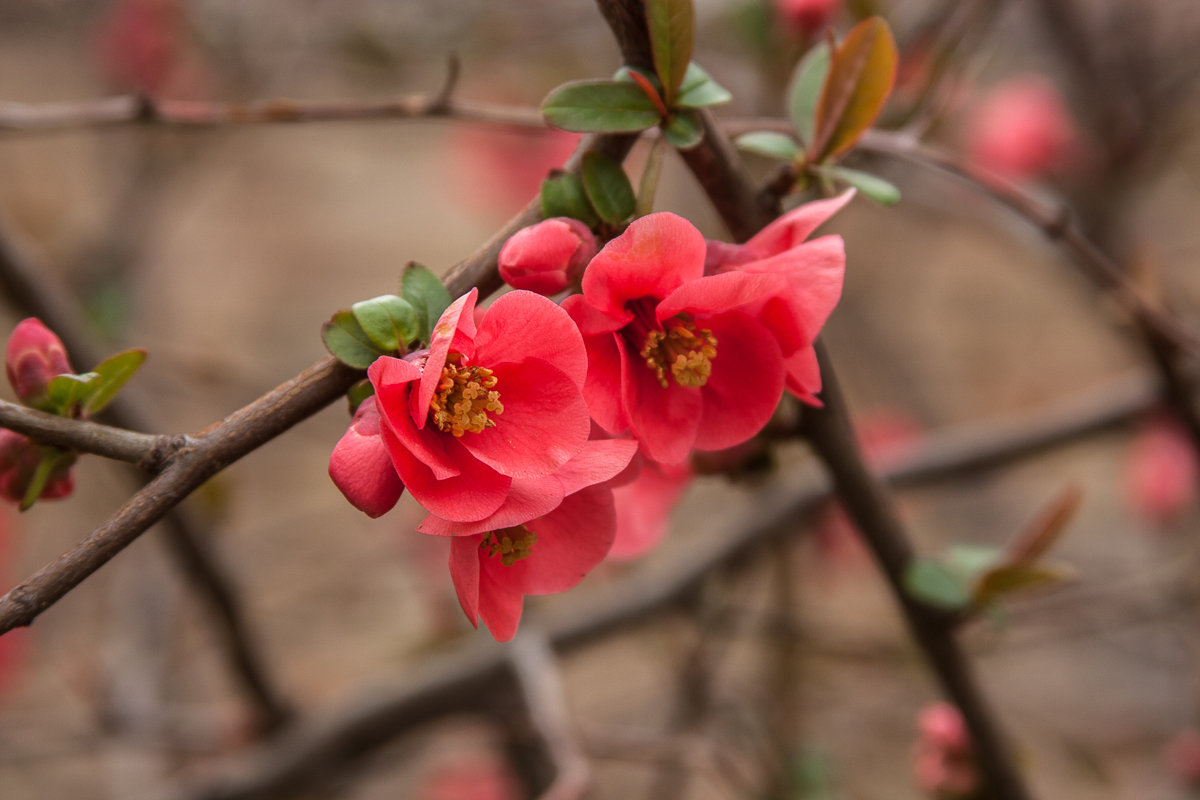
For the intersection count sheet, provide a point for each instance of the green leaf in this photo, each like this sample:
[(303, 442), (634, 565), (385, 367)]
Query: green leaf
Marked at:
[(52, 459), (67, 393), (804, 90), (563, 195), (872, 186), (600, 107), (426, 293), (860, 78), (769, 144), (359, 392), (934, 584), (388, 321), (1009, 578), (607, 187), (345, 339), (969, 561), (649, 183), (114, 372), (672, 25), (684, 130), (699, 90)]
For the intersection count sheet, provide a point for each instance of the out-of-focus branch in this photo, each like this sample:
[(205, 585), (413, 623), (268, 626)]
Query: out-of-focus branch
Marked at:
[(458, 681), (829, 431)]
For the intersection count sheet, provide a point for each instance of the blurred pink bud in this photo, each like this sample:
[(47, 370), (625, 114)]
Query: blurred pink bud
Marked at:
[(140, 43), (19, 458), (484, 779), (806, 17), (34, 356), (942, 726), (644, 506), (1022, 129), (361, 467), (547, 257), (1183, 756), (1162, 471)]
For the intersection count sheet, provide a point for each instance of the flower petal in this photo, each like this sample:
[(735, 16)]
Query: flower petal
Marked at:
[(599, 461), (455, 330), (464, 572), (644, 508), (745, 385), (663, 419), (796, 225), (361, 467), (499, 606), (472, 494), (804, 375), (523, 325), (602, 389), (655, 254), (814, 272), (544, 423), (591, 321), (395, 382), (528, 498), (718, 293)]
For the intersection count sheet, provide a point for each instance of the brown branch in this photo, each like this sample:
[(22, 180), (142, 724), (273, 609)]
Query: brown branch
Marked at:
[(460, 680), (143, 450), (832, 437), (30, 285)]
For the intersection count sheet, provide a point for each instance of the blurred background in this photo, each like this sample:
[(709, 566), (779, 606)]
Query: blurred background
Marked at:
[(223, 250)]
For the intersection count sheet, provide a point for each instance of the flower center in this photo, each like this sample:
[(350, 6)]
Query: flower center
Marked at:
[(463, 398), (511, 544), (683, 349)]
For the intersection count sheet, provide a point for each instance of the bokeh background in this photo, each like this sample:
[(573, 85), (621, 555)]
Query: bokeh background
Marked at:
[(223, 250)]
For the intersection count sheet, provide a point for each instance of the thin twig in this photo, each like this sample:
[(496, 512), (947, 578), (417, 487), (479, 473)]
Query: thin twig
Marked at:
[(459, 680)]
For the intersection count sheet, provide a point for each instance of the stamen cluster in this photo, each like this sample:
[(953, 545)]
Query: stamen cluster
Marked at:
[(464, 396), (511, 544), (683, 349)]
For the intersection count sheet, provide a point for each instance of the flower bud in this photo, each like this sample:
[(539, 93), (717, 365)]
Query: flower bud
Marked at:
[(1183, 756), (361, 467), (806, 17), (19, 459), (547, 257), (34, 356), (1022, 130)]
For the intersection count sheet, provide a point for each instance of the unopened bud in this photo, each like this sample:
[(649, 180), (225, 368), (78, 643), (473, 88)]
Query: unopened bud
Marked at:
[(19, 459), (547, 257), (806, 17), (34, 356)]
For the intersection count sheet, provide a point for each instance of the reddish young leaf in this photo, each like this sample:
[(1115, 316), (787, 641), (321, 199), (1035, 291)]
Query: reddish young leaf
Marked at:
[(672, 25), (860, 78), (1041, 534)]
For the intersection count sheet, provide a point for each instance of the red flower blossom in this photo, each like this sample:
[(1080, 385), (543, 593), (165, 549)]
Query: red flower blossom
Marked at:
[(811, 273), (548, 534), (486, 405), (361, 467), (644, 506), (547, 257), (943, 762), (806, 17), (33, 357), (1162, 470), (1022, 129), (676, 358)]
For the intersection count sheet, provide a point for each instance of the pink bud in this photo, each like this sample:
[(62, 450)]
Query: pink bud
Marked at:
[(547, 257), (1022, 129), (942, 726), (806, 17), (1183, 756), (34, 356), (361, 467), (19, 458), (1162, 471)]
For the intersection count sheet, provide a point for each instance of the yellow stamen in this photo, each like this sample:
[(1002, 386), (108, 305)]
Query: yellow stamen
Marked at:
[(511, 544), (683, 349), (463, 398)]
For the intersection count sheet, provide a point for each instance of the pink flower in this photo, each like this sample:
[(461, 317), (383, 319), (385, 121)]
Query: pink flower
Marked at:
[(644, 506), (473, 779), (806, 17), (487, 405), (811, 275), (1183, 756), (498, 170), (676, 358), (549, 533), (361, 467), (547, 257), (943, 764), (1162, 470), (19, 459), (1021, 130), (34, 356)]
